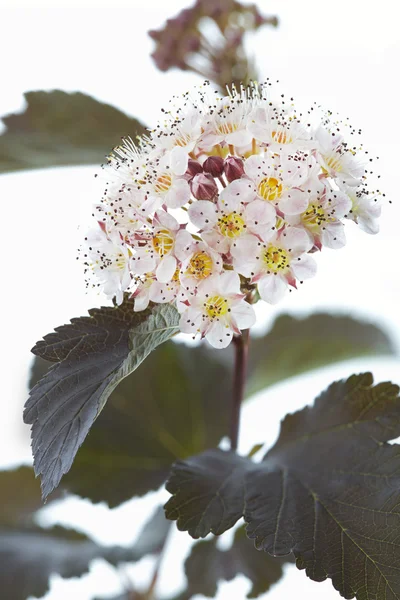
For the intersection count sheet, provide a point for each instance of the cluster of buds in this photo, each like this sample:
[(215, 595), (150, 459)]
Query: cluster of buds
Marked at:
[(224, 204), (188, 42)]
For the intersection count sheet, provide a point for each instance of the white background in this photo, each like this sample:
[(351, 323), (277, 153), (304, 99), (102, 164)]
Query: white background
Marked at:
[(344, 55)]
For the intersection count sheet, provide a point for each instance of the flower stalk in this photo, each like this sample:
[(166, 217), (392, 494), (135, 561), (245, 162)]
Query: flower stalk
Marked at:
[(241, 344)]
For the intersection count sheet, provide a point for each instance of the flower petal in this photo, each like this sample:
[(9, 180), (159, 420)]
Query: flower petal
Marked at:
[(304, 267), (179, 160), (272, 288), (166, 269), (219, 334), (203, 214), (244, 315)]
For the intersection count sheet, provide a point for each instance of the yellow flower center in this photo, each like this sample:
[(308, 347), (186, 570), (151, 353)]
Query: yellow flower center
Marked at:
[(276, 259), (231, 225), (216, 307), (282, 137), (163, 242), (314, 217), (163, 183), (200, 265), (270, 188)]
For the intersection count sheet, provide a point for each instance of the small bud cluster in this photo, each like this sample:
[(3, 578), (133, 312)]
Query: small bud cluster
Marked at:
[(184, 42), (223, 204)]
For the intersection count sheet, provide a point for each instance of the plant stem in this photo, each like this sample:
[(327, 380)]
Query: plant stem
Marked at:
[(241, 344)]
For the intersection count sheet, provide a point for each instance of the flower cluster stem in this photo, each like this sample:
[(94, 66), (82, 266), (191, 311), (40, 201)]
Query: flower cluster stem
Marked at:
[(241, 344)]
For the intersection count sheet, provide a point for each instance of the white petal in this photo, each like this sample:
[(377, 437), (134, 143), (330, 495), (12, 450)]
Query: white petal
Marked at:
[(244, 253), (179, 160), (166, 220), (190, 321), (229, 283), (219, 335), (260, 213), (253, 167), (143, 262), (294, 202), (184, 244), (244, 315), (368, 224), (178, 195), (333, 236), (304, 267), (163, 292), (203, 214), (141, 300), (239, 138), (272, 288), (166, 269), (296, 240), (240, 191)]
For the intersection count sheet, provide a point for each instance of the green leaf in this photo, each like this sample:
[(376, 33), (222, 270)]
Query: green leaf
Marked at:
[(328, 490), (294, 346), (95, 354), (206, 566), (59, 128), (29, 554)]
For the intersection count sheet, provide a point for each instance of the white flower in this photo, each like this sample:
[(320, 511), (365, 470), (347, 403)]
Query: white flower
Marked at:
[(159, 250), (337, 160), (147, 289), (322, 217), (365, 209), (276, 264), (280, 180), (280, 130), (238, 213), (218, 310), (181, 130), (164, 179), (201, 263), (107, 259), (226, 124)]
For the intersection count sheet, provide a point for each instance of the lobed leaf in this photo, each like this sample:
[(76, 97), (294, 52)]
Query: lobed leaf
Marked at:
[(328, 490), (59, 128), (65, 402)]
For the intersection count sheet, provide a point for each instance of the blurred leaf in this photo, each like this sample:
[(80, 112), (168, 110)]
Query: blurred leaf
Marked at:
[(328, 490), (96, 353), (206, 566), (294, 346), (59, 128), (29, 554), (19, 496)]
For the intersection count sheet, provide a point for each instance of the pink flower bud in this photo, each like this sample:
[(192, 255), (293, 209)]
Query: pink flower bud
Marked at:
[(214, 165), (193, 168), (233, 167), (203, 187)]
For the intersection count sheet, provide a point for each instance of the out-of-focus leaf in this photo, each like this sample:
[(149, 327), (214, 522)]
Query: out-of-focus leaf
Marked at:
[(328, 490), (30, 553), (206, 566), (19, 496), (297, 345), (95, 354), (59, 128)]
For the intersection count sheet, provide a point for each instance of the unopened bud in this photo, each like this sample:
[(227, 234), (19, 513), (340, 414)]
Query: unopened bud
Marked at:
[(193, 168), (233, 167), (214, 165), (203, 187)]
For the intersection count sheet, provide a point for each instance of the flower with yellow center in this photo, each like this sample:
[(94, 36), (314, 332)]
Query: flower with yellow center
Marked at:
[(270, 188), (217, 310)]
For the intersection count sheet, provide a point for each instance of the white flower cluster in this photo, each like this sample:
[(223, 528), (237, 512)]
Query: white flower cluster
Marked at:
[(222, 204)]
